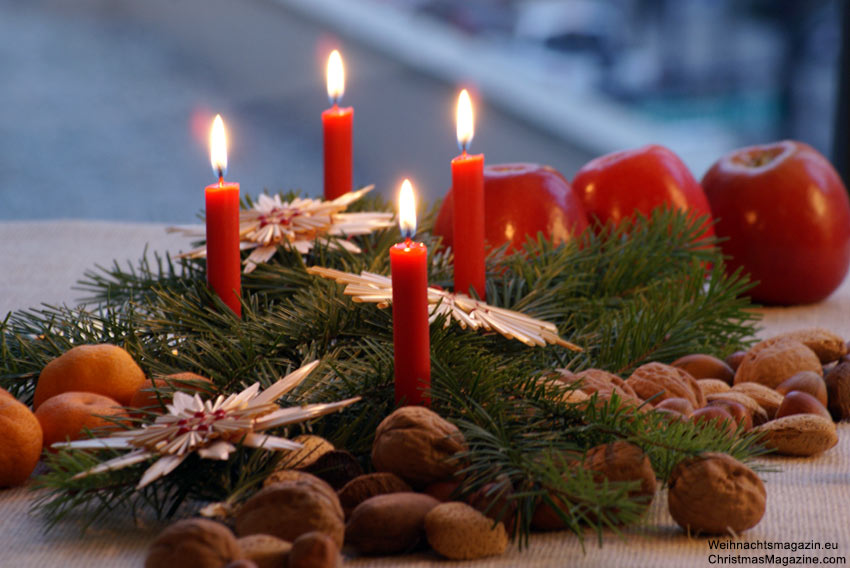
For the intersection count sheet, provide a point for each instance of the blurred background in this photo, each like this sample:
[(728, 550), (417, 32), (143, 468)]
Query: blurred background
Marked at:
[(105, 105)]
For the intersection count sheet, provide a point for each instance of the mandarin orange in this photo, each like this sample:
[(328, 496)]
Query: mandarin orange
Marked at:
[(103, 369), (155, 393), (66, 415), (20, 442)]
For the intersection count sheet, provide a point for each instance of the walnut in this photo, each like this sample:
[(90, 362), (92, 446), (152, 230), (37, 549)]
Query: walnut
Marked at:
[(772, 363), (714, 494), (361, 488), (702, 366), (838, 391), (336, 467), (193, 543), (288, 510), (305, 479), (389, 524), (622, 461), (460, 532), (826, 345), (604, 384), (665, 381), (417, 445)]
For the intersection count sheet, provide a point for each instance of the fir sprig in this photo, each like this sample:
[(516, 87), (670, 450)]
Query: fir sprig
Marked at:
[(651, 289)]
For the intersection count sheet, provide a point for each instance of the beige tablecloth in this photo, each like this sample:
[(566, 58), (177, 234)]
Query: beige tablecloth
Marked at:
[(808, 506)]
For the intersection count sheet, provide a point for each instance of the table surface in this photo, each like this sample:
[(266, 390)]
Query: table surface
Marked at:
[(808, 498)]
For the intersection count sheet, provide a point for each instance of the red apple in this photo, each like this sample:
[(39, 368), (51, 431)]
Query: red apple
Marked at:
[(614, 186), (785, 215), (521, 200)]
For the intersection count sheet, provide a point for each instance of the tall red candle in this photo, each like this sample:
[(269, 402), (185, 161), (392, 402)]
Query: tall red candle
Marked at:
[(336, 129), (468, 195), (224, 269), (411, 331)]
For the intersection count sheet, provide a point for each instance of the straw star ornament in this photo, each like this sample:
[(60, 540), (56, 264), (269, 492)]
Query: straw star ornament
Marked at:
[(210, 428), (271, 222), (367, 287)]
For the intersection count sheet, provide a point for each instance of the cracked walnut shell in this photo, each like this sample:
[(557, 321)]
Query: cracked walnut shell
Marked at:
[(714, 493)]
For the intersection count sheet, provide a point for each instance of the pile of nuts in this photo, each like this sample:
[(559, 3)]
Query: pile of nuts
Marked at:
[(790, 388)]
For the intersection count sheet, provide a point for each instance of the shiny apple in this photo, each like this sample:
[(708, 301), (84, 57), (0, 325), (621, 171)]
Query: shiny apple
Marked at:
[(785, 215), (615, 186), (521, 200)]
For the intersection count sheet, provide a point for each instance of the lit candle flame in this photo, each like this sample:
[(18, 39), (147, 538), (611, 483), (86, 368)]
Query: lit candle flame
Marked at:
[(218, 148), (407, 210), (465, 121), (336, 77)]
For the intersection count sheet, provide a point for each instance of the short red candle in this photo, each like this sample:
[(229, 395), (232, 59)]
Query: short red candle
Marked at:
[(336, 130), (224, 271), (411, 329), (468, 195)]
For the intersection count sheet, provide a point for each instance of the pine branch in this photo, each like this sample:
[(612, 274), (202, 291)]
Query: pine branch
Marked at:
[(627, 295)]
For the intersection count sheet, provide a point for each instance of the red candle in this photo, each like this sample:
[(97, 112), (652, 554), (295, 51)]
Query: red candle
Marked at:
[(468, 195), (224, 269), (336, 128), (411, 331)]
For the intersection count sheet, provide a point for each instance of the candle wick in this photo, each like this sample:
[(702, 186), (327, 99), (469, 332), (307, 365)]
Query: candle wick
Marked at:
[(220, 179), (463, 145), (408, 242)]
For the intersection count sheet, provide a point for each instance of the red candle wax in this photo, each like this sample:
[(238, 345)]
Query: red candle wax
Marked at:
[(224, 269), (336, 127), (411, 332), (468, 195)]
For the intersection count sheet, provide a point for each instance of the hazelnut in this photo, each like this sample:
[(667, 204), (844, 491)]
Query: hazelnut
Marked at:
[(739, 413), (460, 532), (314, 550), (288, 510), (714, 494), (798, 402), (715, 417), (361, 488), (417, 445), (658, 382), (389, 524), (494, 500), (701, 366), (758, 415), (443, 491), (193, 543), (805, 381), (838, 389), (734, 359), (770, 363), (681, 405), (336, 467)]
